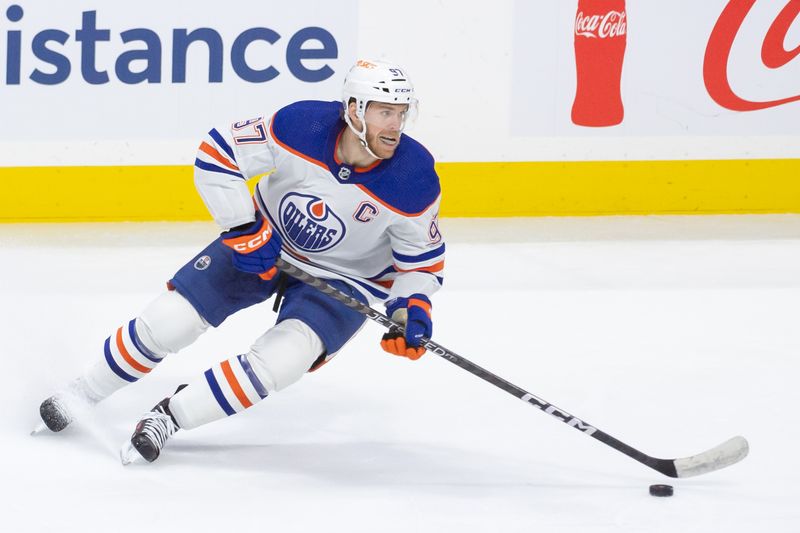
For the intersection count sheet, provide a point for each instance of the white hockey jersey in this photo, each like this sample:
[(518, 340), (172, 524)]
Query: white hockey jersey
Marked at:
[(375, 228)]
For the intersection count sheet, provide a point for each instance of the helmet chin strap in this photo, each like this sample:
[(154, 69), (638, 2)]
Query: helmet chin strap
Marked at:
[(362, 135)]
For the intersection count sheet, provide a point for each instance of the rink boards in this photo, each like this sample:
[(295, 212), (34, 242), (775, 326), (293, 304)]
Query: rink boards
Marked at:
[(166, 192)]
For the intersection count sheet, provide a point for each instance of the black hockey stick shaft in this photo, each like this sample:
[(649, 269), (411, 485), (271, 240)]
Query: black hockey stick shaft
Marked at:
[(665, 466)]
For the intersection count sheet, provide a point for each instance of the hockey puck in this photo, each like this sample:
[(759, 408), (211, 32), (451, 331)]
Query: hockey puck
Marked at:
[(661, 490)]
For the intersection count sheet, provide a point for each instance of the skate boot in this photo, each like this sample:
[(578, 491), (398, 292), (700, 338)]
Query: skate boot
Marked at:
[(61, 409), (151, 433)]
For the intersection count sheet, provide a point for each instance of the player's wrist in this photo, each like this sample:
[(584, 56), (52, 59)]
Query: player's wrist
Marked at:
[(240, 228), (245, 227)]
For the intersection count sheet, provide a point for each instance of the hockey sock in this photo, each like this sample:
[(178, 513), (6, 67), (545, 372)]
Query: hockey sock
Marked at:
[(224, 390), (125, 360), (277, 359), (167, 325)]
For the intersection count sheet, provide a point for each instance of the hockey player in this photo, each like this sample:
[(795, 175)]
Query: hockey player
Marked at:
[(345, 196)]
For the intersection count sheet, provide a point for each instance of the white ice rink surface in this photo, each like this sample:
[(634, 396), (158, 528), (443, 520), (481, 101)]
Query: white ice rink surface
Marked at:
[(670, 333)]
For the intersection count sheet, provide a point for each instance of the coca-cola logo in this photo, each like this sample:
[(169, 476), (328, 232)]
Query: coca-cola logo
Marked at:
[(773, 53), (612, 24)]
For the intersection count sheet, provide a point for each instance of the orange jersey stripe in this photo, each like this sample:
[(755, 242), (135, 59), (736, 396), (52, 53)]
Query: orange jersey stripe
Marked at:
[(438, 267), (368, 167), (213, 152), (336, 147), (234, 383), (293, 253), (292, 150), (125, 355)]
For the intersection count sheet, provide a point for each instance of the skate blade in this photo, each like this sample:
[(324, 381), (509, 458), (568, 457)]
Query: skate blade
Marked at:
[(128, 454), (40, 428)]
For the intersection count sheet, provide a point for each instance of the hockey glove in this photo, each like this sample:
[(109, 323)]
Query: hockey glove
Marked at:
[(415, 313), (255, 247)]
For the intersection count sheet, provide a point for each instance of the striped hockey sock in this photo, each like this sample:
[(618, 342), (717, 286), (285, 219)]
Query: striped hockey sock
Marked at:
[(125, 360), (224, 390), (127, 356)]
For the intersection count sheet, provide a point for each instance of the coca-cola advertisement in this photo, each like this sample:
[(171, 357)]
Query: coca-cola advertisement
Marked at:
[(601, 28), (610, 68)]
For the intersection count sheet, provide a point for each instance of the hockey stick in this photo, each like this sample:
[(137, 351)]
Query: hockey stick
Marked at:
[(729, 452)]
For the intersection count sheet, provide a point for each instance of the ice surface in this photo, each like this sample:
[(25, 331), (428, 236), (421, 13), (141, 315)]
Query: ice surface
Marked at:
[(670, 333)]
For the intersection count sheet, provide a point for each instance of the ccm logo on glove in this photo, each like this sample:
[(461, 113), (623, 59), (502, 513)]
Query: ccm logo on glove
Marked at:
[(253, 244), (255, 247)]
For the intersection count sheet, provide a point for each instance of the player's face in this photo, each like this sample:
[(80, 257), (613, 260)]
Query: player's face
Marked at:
[(384, 124)]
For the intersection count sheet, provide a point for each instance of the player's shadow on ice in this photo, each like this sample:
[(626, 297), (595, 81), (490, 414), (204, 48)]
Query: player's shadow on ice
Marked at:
[(358, 463)]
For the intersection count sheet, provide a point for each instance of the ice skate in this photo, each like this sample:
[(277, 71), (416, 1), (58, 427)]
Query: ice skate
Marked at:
[(150, 435), (61, 409)]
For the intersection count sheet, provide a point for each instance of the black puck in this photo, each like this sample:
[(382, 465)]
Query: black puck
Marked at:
[(661, 490)]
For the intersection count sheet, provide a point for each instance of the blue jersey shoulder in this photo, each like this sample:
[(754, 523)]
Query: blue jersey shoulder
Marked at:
[(308, 126), (408, 181)]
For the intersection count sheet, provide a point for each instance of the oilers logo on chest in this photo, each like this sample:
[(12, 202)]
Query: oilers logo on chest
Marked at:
[(309, 223)]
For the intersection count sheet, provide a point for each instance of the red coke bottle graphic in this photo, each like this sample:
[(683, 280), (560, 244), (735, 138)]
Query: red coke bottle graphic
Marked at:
[(601, 28)]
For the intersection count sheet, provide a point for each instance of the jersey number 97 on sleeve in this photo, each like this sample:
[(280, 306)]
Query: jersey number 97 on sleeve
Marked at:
[(253, 131)]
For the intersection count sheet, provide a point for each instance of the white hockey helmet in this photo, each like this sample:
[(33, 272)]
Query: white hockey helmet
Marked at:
[(377, 81)]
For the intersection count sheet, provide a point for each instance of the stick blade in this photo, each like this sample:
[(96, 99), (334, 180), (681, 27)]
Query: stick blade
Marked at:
[(729, 452)]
